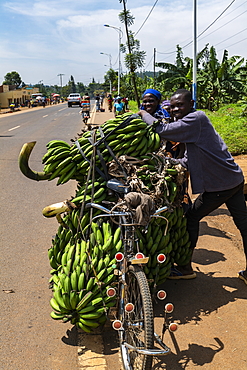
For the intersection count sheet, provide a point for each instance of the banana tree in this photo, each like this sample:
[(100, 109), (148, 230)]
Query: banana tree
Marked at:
[(223, 82)]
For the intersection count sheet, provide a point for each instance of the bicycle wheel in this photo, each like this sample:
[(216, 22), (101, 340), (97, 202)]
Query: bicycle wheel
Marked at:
[(138, 326)]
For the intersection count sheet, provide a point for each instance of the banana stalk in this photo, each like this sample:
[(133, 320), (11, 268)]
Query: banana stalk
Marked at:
[(24, 166), (57, 208)]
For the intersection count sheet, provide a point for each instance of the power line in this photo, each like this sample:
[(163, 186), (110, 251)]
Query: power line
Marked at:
[(217, 18), (231, 37), (237, 42), (211, 23), (224, 25), (147, 17), (189, 43), (149, 62)]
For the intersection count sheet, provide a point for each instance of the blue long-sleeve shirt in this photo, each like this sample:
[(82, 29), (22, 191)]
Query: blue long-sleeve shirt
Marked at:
[(211, 166)]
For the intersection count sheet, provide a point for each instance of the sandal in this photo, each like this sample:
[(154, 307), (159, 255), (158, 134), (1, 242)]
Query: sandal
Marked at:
[(178, 275), (242, 277)]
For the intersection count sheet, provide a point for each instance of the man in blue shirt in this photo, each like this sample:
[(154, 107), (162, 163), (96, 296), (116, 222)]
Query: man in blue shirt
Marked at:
[(213, 172)]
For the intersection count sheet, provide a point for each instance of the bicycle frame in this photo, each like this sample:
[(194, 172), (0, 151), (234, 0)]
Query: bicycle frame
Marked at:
[(128, 254)]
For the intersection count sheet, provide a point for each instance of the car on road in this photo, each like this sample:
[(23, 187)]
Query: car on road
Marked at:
[(74, 99)]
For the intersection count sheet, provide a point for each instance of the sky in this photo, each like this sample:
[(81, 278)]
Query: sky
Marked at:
[(50, 41)]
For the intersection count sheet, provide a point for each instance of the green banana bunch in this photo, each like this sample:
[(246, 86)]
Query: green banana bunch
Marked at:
[(170, 238), (81, 280)]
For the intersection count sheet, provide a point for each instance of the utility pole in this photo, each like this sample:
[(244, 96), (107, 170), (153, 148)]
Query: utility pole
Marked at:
[(120, 35), (154, 67), (194, 85), (61, 82)]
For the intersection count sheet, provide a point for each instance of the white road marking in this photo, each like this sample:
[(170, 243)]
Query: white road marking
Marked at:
[(45, 116), (13, 128), (61, 109)]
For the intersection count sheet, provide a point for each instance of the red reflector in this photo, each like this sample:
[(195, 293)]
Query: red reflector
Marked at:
[(173, 327), (119, 256), (111, 292), (161, 258), (117, 325), (129, 307), (161, 294), (139, 255), (169, 307)]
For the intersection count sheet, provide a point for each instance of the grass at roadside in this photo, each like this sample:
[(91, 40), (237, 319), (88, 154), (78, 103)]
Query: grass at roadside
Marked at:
[(229, 122)]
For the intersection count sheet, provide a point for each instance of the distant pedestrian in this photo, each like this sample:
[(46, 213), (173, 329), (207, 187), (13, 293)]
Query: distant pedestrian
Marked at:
[(109, 101), (118, 107), (97, 102), (126, 103)]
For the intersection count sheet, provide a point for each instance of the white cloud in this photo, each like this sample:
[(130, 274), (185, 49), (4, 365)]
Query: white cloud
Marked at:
[(41, 39)]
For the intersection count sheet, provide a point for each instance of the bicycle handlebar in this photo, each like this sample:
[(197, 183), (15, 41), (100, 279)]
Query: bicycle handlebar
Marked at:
[(106, 210), (117, 213)]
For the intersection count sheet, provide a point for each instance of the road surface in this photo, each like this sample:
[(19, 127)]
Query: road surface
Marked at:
[(30, 339), (211, 310)]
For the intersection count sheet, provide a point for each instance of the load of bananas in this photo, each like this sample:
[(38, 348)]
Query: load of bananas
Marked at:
[(169, 237), (84, 269), (67, 162), (83, 275)]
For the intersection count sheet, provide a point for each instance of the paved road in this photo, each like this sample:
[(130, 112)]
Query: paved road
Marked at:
[(211, 310), (30, 340)]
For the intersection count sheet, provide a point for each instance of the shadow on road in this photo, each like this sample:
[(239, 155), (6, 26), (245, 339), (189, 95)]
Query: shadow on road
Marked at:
[(197, 354), (71, 338), (201, 296)]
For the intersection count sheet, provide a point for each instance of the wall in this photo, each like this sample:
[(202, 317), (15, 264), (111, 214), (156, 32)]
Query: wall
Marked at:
[(9, 94)]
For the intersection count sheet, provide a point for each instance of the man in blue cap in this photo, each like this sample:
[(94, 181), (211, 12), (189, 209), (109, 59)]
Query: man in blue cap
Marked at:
[(151, 99)]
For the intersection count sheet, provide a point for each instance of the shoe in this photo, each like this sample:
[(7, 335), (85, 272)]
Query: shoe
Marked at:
[(242, 277), (178, 275)]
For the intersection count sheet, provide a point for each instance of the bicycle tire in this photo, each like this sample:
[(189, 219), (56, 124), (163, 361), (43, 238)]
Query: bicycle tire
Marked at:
[(138, 325)]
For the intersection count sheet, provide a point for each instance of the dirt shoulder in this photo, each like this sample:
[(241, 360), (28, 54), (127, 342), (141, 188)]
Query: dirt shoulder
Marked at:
[(211, 310)]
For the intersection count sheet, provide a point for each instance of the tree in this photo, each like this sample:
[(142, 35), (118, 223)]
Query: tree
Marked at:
[(178, 75), (72, 84), (223, 82), (12, 78), (111, 79), (80, 88), (134, 58)]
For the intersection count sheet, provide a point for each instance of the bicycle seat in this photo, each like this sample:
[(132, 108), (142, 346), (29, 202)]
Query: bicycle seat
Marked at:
[(118, 186)]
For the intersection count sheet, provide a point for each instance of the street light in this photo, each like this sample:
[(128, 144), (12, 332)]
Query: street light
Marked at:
[(120, 34), (109, 55)]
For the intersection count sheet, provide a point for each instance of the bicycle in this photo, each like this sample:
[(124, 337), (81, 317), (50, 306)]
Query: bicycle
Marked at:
[(85, 111), (134, 318)]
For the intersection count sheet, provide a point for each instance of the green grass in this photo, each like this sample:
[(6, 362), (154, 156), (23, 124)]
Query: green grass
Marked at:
[(229, 121), (231, 124), (133, 106)]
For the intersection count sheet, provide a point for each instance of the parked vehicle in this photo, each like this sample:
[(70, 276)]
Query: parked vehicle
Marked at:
[(74, 99)]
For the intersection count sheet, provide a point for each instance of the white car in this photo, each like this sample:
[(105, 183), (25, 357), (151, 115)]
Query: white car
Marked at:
[(74, 99)]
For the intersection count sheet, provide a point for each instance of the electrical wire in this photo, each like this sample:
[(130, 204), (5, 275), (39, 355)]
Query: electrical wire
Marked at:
[(224, 25), (231, 37), (149, 62), (147, 17), (237, 42), (210, 24), (189, 43)]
